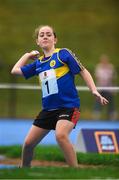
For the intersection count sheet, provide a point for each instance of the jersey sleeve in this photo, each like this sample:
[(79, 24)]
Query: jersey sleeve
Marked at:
[(29, 70), (66, 56)]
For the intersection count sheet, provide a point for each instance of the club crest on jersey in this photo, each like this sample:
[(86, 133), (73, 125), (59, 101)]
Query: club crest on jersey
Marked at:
[(52, 63)]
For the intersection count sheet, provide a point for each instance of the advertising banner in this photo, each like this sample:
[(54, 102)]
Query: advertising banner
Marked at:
[(98, 140)]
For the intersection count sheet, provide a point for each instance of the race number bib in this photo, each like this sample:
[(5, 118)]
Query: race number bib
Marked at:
[(48, 82)]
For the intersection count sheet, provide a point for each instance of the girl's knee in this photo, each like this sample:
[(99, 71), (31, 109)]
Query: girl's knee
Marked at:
[(28, 145), (60, 137)]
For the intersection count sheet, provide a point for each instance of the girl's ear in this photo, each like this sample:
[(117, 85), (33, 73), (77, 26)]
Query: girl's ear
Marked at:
[(37, 42), (55, 41)]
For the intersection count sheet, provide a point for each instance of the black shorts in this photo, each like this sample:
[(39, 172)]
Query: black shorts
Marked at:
[(48, 119)]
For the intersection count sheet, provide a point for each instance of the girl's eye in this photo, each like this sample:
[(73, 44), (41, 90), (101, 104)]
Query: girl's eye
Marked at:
[(41, 35), (47, 34)]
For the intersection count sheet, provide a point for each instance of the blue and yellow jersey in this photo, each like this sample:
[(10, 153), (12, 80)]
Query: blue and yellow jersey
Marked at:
[(56, 74)]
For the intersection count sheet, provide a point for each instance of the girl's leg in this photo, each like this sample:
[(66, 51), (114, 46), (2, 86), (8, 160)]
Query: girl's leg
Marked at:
[(63, 128), (34, 136)]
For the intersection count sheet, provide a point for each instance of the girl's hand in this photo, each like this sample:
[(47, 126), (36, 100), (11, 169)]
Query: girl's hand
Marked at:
[(23, 60), (100, 98), (34, 54)]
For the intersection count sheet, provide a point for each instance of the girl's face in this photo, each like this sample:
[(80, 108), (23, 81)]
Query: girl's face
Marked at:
[(46, 39)]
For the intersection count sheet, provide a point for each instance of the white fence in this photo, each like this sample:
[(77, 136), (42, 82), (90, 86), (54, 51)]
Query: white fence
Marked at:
[(36, 87)]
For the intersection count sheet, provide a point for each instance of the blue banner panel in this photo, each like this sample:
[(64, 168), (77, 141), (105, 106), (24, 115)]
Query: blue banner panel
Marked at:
[(98, 140)]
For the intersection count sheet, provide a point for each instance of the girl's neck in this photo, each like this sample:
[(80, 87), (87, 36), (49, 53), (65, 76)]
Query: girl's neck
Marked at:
[(48, 52)]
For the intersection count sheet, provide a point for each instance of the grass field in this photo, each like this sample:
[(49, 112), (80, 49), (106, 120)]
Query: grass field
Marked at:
[(61, 173), (91, 166)]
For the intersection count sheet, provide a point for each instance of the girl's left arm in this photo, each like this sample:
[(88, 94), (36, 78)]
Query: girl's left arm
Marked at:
[(90, 83)]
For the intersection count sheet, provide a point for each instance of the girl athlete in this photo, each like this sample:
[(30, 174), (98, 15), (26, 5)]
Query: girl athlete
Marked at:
[(60, 102)]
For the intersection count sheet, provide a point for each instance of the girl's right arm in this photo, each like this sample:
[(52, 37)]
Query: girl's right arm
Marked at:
[(23, 61)]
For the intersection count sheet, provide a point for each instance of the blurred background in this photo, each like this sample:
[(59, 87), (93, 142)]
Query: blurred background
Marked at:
[(88, 28)]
